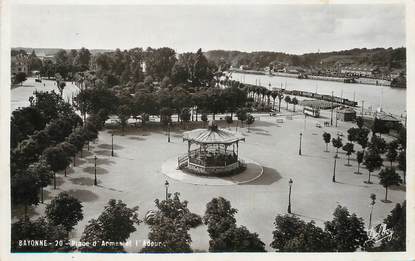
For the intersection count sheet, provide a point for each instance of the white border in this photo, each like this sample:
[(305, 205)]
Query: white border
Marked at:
[(5, 130)]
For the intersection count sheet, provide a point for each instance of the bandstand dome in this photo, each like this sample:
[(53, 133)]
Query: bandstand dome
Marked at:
[(212, 135)]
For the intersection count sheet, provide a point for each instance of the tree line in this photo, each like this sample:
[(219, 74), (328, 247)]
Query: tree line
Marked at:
[(171, 221), (45, 139), (372, 151)]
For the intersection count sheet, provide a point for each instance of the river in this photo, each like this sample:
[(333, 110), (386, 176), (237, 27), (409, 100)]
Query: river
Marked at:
[(392, 100)]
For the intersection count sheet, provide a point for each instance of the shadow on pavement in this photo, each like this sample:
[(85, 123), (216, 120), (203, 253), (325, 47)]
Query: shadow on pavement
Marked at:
[(355, 185), (103, 152), (91, 170), (18, 212), (101, 161), (108, 146), (82, 181), (83, 195), (268, 177), (112, 189), (136, 138), (398, 188)]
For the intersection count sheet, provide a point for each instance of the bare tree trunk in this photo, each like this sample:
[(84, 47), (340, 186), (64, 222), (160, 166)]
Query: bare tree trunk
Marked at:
[(54, 180)]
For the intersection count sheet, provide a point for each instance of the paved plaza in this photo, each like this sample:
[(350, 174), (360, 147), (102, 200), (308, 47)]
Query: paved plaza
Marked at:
[(135, 176)]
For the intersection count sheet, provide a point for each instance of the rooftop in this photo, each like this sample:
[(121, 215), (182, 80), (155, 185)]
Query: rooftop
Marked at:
[(212, 135)]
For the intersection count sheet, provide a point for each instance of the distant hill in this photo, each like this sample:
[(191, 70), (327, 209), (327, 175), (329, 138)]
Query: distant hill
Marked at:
[(53, 51), (389, 58)]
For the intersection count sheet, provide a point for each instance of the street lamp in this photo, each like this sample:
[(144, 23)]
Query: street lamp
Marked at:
[(373, 198), (112, 144), (299, 151), (331, 114), (166, 184), (334, 170), (290, 183), (168, 130), (95, 170)]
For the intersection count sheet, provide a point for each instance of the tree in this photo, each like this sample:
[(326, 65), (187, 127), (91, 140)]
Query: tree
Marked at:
[(250, 120), (349, 150), (165, 115), (377, 144), (185, 115), (44, 174), (115, 224), (219, 216), (57, 159), (204, 118), (287, 100), (294, 101), (346, 231), (83, 58), (19, 78), (280, 97), (402, 164), (337, 143), (64, 210), (77, 138), (242, 115), (388, 177), (24, 122), (61, 86), (294, 235), (69, 149), (359, 122), (353, 134), (170, 224), (395, 221), (36, 230), (237, 239), (24, 190), (373, 162), (228, 120), (124, 113), (362, 137), (326, 138), (359, 158), (225, 235), (392, 154), (200, 69)]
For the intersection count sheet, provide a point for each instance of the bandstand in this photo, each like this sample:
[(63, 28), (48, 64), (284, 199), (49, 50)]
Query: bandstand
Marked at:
[(216, 152)]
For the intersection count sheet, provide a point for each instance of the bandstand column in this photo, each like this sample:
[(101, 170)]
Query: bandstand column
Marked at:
[(237, 150), (188, 153)]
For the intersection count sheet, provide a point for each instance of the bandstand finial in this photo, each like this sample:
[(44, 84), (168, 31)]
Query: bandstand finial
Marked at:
[(213, 126)]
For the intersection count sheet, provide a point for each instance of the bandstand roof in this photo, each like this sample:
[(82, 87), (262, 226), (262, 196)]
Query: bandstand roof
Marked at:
[(212, 135)]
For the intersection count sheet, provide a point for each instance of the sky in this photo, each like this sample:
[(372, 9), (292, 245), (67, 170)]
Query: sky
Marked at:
[(286, 28)]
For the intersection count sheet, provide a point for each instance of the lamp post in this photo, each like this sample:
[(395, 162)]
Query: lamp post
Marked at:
[(373, 198), (363, 105), (166, 184), (331, 114), (290, 183), (334, 170), (95, 170), (112, 144), (299, 151), (168, 132)]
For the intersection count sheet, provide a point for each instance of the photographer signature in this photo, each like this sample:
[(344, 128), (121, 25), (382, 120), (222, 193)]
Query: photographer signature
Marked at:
[(379, 233)]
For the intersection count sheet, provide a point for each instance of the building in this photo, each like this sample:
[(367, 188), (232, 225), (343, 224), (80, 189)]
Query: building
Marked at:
[(346, 114), (20, 63), (360, 71)]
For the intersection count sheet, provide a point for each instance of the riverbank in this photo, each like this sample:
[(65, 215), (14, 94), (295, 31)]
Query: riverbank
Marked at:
[(368, 81)]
